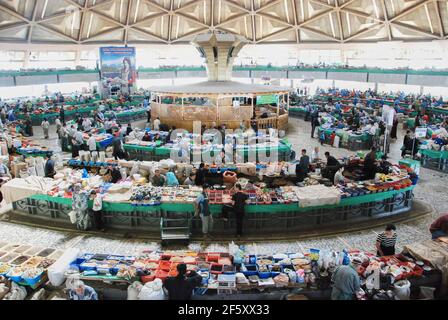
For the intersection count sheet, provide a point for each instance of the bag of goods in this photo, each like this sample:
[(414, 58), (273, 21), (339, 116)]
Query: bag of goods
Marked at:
[(281, 280), (249, 169), (16, 292), (134, 290), (229, 177), (4, 289), (152, 291)]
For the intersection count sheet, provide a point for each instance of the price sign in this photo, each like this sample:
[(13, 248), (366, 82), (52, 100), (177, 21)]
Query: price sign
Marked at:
[(420, 132)]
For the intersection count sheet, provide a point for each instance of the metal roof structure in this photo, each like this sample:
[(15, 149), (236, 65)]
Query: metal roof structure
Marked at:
[(122, 22)]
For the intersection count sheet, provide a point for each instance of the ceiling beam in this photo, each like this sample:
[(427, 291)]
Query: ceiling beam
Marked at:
[(183, 37), (155, 5), (202, 24), (128, 18), (149, 34), (409, 10), (13, 25), (321, 34), (338, 15), (269, 17), (13, 13), (346, 4), (83, 19), (267, 6), (439, 18), (363, 32), (147, 19), (417, 30), (235, 18), (76, 4), (323, 4), (33, 19), (235, 5), (254, 25), (362, 15), (316, 17), (99, 34), (60, 34), (296, 20), (170, 20), (277, 33), (188, 5), (386, 19)]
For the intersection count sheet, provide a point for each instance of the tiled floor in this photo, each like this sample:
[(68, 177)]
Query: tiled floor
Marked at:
[(431, 189)]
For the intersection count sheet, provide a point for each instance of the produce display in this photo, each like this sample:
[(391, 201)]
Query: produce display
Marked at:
[(26, 265)]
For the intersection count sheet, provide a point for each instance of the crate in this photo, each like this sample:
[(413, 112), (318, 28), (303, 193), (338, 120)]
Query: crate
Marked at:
[(216, 268), (33, 281), (250, 269)]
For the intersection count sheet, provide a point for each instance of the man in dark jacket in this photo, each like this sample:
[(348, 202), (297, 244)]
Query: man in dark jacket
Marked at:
[(181, 286), (239, 203), (302, 168), (314, 121)]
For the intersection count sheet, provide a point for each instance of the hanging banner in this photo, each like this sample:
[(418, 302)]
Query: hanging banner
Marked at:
[(118, 70), (267, 99)]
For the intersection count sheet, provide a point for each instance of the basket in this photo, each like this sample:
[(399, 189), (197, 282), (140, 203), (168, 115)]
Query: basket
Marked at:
[(251, 270)]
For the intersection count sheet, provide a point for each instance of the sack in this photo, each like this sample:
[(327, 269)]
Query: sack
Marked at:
[(72, 215)]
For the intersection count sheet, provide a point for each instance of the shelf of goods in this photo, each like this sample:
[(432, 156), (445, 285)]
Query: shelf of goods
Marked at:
[(239, 271), (278, 211)]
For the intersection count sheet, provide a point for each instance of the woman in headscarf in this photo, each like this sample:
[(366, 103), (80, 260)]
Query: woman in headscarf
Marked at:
[(80, 200), (171, 180)]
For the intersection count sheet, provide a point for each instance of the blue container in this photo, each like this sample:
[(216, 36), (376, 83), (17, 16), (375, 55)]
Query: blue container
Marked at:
[(83, 267), (15, 279), (264, 275), (251, 270), (87, 256), (33, 281)]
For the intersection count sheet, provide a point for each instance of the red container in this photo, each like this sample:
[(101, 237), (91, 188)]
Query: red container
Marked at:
[(213, 257), (216, 268), (165, 265), (161, 274)]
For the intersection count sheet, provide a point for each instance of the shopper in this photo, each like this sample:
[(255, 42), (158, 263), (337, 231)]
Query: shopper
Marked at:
[(28, 125), (49, 168), (200, 175), (204, 211), (58, 124), (62, 114), (118, 151), (439, 228), (156, 124), (158, 180), (407, 143), (314, 121), (97, 210), (346, 283), (77, 142), (386, 240), (239, 202), (339, 177), (45, 126), (181, 286), (91, 143), (82, 292)]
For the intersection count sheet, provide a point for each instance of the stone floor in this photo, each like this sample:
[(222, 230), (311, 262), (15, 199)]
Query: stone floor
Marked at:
[(431, 189)]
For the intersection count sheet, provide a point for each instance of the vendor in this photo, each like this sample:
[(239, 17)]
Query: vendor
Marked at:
[(339, 177), (302, 168), (385, 242), (200, 175), (146, 137), (407, 143), (346, 283), (315, 155), (82, 292), (384, 166), (171, 180), (439, 228), (158, 180), (181, 286), (332, 167), (370, 168), (49, 168), (190, 180)]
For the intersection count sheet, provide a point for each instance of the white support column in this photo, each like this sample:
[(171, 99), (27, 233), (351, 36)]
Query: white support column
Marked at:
[(421, 90), (291, 81), (26, 59), (77, 57)]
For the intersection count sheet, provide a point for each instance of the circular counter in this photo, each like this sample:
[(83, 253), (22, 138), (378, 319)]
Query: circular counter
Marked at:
[(274, 218)]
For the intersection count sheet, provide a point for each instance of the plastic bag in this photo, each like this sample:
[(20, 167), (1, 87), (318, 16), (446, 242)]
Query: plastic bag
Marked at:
[(152, 291), (16, 293), (72, 215), (134, 290)]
